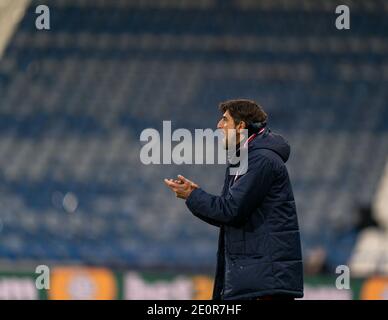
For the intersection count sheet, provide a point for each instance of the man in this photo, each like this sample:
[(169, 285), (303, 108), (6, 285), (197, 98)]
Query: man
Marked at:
[(259, 251)]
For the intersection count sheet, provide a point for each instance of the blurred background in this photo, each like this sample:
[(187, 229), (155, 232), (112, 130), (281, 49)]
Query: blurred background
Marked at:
[(74, 99)]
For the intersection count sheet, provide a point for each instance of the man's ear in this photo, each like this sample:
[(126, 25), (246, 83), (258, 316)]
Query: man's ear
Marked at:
[(242, 125)]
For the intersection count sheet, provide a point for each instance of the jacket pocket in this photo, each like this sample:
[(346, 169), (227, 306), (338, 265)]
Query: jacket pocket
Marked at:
[(236, 247), (243, 261), (247, 247)]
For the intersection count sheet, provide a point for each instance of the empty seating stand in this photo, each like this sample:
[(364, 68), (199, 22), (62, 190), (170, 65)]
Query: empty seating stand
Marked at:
[(73, 101)]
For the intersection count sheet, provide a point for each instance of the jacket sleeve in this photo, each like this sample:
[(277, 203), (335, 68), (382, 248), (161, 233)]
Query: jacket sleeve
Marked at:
[(247, 192), (211, 221)]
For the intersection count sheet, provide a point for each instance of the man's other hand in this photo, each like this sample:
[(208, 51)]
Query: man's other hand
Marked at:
[(181, 186)]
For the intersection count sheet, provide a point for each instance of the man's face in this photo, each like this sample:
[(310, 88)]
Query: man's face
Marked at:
[(226, 124)]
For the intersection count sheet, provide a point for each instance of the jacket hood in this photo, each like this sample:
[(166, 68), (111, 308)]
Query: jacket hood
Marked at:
[(272, 141)]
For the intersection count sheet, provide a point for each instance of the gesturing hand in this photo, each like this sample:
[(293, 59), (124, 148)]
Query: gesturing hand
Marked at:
[(182, 186)]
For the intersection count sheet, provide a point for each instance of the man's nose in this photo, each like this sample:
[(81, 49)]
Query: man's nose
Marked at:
[(219, 124)]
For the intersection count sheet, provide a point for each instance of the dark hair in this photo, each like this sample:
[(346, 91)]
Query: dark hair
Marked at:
[(244, 110)]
